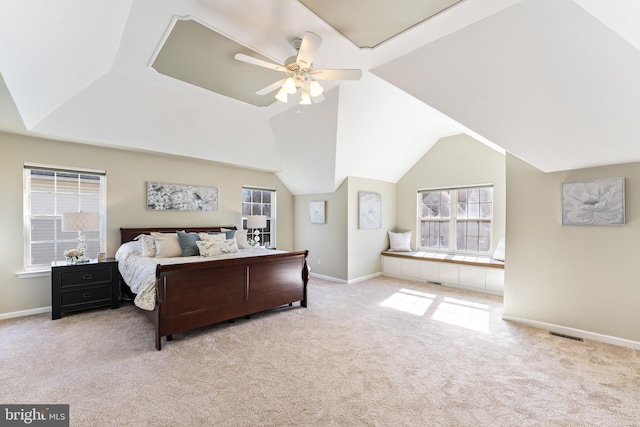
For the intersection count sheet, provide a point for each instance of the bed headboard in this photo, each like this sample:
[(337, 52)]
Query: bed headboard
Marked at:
[(128, 234)]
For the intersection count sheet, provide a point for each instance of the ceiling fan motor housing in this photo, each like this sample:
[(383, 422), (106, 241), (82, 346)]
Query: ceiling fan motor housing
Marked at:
[(296, 42), (291, 65)]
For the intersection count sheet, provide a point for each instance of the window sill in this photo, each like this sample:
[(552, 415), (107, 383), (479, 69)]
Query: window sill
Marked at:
[(35, 273)]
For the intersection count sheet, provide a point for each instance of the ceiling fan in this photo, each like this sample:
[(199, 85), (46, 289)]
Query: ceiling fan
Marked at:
[(300, 74)]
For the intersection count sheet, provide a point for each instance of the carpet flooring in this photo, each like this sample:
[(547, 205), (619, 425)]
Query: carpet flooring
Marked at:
[(382, 352)]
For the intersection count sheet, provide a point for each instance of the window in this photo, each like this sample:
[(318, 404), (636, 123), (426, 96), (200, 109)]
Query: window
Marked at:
[(50, 191), (456, 219), (257, 201)]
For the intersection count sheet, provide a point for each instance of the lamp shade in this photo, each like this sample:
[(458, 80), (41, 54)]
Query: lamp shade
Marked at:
[(305, 99), (256, 221), (80, 221), (281, 95), (289, 86), (315, 89)]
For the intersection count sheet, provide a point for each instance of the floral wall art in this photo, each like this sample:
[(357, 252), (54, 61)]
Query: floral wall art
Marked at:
[(597, 202), (370, 205), (177, 197)]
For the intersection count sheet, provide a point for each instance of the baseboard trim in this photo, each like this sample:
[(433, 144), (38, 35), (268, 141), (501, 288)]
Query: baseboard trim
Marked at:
[(23, 313), (329, 278), (623, 342), (347, 282), (363, 278)]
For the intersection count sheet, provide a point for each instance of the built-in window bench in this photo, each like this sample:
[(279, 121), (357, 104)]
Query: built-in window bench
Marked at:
[(476, 273)]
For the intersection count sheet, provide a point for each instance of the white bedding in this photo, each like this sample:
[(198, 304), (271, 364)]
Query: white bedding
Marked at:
[(140, 272)]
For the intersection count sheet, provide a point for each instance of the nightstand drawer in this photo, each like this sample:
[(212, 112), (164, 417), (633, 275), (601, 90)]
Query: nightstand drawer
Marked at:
[(83, 286), (79, 276), (85, 295)]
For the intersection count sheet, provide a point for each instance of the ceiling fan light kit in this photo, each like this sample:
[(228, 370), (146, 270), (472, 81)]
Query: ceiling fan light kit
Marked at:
[(282, 95), (289, 86), (315, 89), (300, 74), (305, 99)]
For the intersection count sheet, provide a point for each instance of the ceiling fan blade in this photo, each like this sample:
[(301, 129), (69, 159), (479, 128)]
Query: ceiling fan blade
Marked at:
[(336, 74), (255, 61), (267, 90), (308, 49)]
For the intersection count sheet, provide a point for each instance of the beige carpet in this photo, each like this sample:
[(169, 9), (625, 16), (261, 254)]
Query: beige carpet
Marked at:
[(383, 352)]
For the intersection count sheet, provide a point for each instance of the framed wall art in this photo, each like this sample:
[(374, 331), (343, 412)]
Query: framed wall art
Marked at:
[(597, 202), (178, 197), (316, 212), (370, 209)]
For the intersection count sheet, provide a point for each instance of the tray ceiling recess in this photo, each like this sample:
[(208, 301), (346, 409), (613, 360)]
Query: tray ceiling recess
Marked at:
[(369, 23), (198, 55)]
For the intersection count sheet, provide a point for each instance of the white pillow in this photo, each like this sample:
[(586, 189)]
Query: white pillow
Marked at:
[(127, 248), (499, 253), (147, 245), (219, 237), (210, 248), (400, 242), (167, 245), (241, 238)]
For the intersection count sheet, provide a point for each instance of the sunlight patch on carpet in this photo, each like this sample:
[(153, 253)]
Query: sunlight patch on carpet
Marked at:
[(410, 301), (459, 312)]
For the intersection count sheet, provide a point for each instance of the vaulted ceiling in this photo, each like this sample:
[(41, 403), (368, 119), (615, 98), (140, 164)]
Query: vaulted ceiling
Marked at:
[(554, 82)]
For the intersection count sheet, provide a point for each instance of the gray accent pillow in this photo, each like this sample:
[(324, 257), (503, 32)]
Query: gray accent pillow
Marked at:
[(229, 233), (188, 243)]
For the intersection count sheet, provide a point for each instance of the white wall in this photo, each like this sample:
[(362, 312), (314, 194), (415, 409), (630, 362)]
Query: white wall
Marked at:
[(127, 173), (580, 277)]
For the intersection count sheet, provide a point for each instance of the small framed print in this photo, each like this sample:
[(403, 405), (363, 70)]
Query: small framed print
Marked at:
[(316, 212)]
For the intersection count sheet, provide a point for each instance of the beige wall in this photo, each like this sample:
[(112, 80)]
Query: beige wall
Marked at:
[(127, 173), (339, 249), (454, 161), (580, 277), (365, 245), (326, 243), (574, 277), (354, 253)]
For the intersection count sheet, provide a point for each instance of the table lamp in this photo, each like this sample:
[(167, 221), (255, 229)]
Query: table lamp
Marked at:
[(256, 222), (81, 222)]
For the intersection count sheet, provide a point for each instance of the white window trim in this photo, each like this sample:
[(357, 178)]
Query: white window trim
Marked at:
[(33, 273), (40, 271), (452, 222), (272, 218)]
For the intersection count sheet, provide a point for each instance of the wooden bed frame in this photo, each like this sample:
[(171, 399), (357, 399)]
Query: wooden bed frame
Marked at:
[(198, 294)]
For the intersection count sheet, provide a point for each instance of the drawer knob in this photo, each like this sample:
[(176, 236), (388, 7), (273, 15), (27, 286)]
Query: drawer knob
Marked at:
[(86, 276), (86, 295)]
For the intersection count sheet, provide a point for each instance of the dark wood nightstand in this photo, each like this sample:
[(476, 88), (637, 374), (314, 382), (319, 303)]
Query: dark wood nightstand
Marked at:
[(82, 286)]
